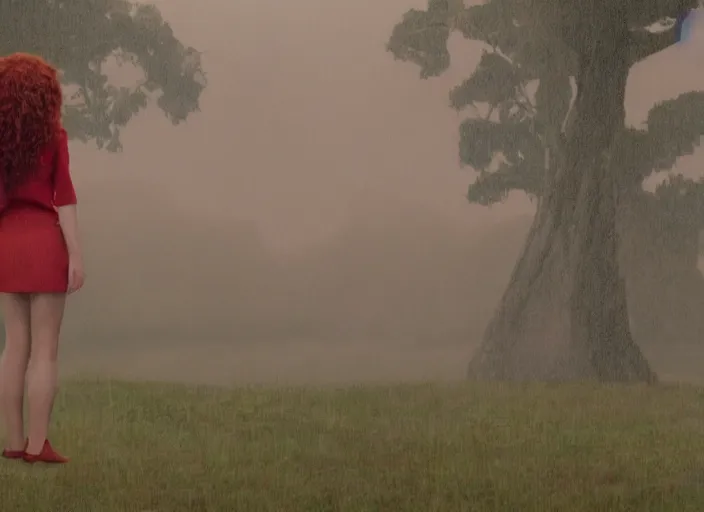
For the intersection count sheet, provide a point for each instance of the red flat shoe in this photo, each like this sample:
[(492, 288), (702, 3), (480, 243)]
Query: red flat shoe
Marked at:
[(47, 455), (14, 454)]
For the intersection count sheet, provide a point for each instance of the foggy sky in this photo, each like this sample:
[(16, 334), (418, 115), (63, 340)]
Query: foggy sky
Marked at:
[(307, 125), (307, 118)]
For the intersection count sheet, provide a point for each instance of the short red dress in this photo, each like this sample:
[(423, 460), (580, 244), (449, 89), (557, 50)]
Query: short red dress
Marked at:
[(33, 254)]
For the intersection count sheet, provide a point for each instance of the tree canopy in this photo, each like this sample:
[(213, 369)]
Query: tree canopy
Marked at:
[(81, 37), (520, 93)]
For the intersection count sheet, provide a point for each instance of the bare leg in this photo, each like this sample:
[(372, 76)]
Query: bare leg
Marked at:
[(46, 314), (13, 366)]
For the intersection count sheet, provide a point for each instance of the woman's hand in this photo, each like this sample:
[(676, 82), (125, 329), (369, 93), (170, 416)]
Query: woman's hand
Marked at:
[(76, 276)]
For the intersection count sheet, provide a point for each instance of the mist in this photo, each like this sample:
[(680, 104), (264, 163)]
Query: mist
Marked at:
[(310, 223)]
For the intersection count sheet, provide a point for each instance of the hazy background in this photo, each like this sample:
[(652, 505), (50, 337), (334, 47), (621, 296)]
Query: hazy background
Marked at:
[(310, 223)]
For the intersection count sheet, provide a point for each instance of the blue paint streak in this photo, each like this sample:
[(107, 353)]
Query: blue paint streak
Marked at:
[(683, 27)]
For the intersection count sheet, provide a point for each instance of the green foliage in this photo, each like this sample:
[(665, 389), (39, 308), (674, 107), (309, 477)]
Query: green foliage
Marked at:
[(675, 127), (495, 81), (647, 12), (494, 187), (681, 199), (422, 36), (84, 38), (528, 44)]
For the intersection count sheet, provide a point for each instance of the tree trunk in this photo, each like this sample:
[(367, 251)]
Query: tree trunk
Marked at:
[(564, 314)]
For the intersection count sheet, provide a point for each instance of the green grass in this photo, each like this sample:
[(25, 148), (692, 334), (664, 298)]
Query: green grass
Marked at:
[(572, 448)]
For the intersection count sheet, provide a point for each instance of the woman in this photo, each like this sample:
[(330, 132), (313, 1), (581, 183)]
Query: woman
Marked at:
[(40, 256)]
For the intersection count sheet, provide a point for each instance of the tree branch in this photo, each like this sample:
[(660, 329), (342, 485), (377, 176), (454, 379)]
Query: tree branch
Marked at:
[(643, 43), (643, 13)]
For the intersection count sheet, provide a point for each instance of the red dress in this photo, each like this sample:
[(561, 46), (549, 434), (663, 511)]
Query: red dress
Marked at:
[(33, 254)]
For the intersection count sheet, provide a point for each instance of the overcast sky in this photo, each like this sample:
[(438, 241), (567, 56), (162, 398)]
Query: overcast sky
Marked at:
[(307, 118)]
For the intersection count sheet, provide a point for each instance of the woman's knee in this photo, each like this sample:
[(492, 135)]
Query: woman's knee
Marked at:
[(46, 318), (16, 353), (45, 348)]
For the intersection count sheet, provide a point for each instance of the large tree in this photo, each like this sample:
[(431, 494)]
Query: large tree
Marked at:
[(84, 38), (514, 123), (564, 314)]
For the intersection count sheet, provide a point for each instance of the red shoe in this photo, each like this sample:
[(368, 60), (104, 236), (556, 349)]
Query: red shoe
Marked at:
[(47, 455), (14, 454)]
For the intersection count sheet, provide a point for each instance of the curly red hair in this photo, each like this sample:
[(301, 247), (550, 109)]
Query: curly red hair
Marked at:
[(30, 114)]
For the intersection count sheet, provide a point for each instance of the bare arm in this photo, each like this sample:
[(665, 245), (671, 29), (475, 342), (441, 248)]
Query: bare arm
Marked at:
[(65, 199), (68, 220)]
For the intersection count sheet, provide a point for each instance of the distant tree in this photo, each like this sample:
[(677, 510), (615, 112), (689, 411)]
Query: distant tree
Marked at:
[(564, 313), (81, 36)]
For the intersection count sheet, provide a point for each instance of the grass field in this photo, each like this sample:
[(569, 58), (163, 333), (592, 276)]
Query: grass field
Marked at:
[(153, 447)]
